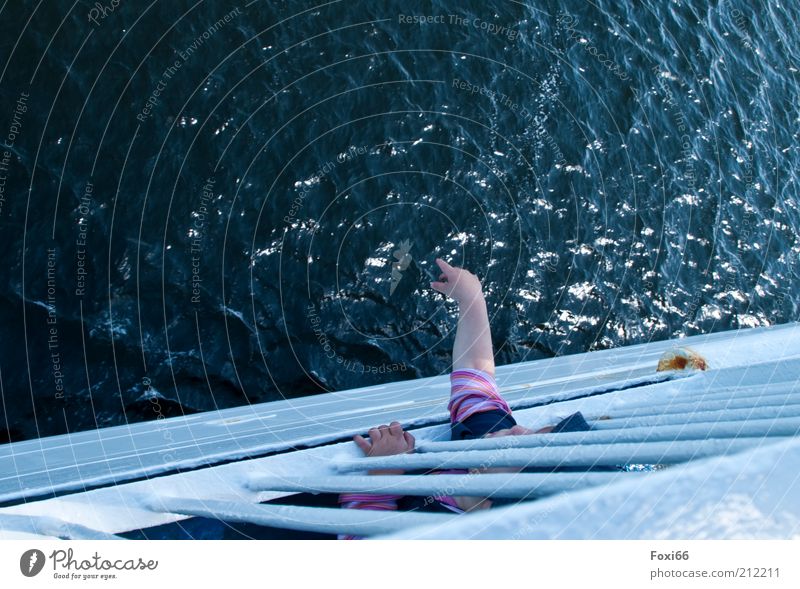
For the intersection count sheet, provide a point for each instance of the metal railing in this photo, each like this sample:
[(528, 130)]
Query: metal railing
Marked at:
[(499, 485), (587, 456), (730, 412), (43, 525), (710, 425), (308, 519)]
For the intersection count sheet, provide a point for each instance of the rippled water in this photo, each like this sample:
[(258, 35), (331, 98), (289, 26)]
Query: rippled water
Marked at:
[(201, 204)]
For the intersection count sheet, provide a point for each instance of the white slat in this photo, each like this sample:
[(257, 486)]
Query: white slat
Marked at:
[(51, 526), (663, 433), (756, 392), (309, 519), (580, 456), (789, 401), (510, 486), (733, 415)]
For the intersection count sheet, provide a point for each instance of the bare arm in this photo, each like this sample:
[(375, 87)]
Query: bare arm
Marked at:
[(473, 345)]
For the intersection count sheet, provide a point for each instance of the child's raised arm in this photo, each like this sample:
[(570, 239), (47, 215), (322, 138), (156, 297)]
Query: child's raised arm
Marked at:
[(473, 345)]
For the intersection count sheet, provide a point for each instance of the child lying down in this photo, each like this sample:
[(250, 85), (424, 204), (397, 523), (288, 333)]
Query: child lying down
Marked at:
[(476, 408)]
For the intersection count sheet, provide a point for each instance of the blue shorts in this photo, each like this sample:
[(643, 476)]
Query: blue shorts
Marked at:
[(478, 425)]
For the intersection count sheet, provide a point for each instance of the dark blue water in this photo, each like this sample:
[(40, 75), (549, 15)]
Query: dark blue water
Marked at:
[(201, 202)]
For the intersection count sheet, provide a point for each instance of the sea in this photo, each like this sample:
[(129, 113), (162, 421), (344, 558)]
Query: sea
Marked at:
[(212, 204)]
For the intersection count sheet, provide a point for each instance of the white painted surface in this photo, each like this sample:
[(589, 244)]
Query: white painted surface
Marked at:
[(118, 454), (200, 439), (748, 496)]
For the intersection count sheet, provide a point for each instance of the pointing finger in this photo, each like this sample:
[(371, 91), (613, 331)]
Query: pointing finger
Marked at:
[(443, 265)]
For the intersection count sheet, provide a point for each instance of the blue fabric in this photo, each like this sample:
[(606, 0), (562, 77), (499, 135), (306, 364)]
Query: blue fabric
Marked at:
[(573, 423), (478, 425)]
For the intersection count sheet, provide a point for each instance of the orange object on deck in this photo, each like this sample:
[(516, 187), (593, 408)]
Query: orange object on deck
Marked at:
[(681, 359)]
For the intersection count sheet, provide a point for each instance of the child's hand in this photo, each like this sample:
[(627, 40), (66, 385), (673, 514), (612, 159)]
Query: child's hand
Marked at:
[(457, 283), (386, 440)]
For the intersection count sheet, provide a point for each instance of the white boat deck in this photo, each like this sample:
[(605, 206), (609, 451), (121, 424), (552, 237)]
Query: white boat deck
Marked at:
[(756, 368)]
